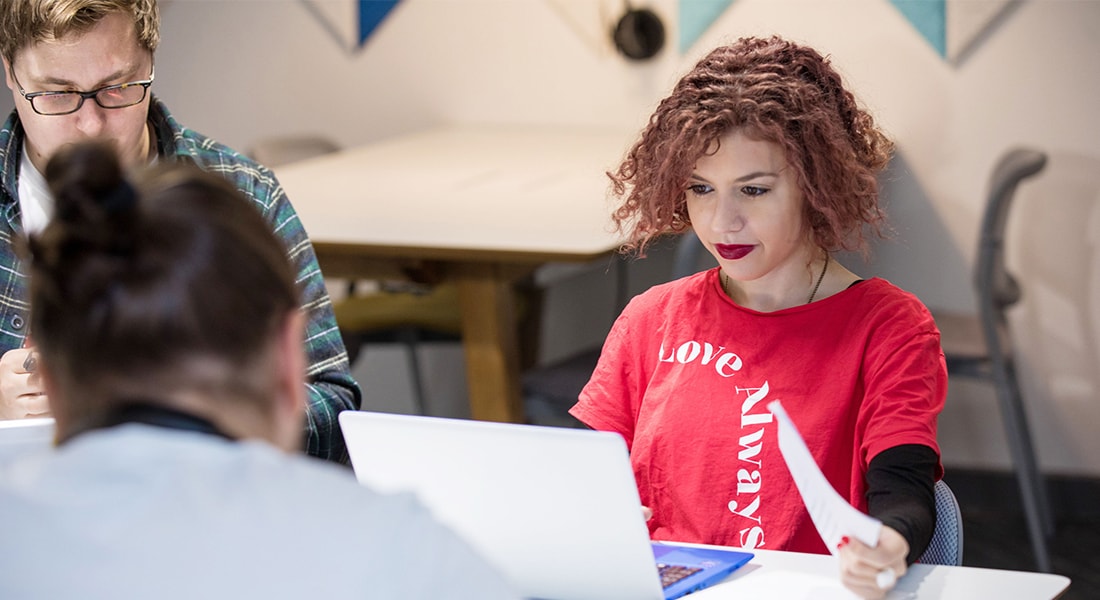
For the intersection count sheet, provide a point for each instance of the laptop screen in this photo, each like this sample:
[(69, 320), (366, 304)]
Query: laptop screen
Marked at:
[(556, 510)]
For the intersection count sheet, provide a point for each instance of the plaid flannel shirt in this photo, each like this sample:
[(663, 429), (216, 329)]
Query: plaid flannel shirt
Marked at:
[(330, 386)]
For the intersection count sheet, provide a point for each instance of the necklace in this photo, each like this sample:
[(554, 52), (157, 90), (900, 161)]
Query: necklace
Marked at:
[(725, 280), (824, 268)]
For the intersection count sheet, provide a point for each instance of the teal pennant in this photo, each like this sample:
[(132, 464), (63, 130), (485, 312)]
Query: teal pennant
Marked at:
[(696, 16), (929, 17)]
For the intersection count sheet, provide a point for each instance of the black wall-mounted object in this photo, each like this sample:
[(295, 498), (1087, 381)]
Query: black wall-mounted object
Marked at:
[(639, 34)]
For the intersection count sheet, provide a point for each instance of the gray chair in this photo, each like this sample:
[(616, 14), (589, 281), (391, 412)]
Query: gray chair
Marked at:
[(946, 546), (549, 391), (979, 346)]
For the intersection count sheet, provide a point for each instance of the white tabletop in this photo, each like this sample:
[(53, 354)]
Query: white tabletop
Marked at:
[(790, 575), (541, 191)]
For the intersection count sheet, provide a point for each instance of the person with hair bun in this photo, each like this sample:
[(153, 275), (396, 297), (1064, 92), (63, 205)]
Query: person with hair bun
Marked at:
[(170, 339), (763, 153), (85, 69)]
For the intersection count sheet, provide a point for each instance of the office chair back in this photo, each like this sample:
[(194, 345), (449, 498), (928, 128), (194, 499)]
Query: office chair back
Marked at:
[(997, 288), (550, 390), (946, 547)]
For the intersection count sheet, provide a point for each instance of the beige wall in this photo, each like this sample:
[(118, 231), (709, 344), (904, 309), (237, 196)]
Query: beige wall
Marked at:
[(239, 70)]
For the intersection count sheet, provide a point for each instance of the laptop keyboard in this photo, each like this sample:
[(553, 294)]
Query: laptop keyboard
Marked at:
[(671, 574)]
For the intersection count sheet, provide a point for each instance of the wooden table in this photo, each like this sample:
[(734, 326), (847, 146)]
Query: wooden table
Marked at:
[(480, 207)]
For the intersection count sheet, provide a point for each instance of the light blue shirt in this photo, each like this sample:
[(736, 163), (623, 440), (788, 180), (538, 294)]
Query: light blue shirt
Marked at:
[(144, 512)]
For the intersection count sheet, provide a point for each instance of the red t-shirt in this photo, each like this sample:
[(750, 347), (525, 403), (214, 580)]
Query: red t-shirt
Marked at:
[(685, 375)]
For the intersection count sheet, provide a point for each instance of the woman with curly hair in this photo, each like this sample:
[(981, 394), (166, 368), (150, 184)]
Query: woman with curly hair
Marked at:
[(762, 152)]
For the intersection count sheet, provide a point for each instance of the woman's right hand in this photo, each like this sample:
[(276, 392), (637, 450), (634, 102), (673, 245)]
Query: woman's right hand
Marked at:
[(873, 572), (21, 392)]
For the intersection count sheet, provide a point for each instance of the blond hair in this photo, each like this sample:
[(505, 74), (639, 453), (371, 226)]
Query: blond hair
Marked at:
[(27, 22)]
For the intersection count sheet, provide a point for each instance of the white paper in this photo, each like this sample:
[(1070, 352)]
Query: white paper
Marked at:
[(833, 517)]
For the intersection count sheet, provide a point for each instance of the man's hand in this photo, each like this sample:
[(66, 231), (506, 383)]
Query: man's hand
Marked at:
[(21, 391), (872, 572)]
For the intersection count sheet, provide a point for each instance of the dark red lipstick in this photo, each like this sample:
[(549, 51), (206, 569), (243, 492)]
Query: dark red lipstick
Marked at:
[(733, 251)]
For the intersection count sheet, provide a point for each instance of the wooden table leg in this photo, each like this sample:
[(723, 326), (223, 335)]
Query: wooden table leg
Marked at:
[(489, 341)]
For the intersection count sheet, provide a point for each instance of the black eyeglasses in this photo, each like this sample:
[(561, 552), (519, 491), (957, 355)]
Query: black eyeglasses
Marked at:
[(63, 103)]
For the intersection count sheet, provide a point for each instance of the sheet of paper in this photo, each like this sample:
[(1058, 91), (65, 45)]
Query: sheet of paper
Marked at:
[(831, 513)]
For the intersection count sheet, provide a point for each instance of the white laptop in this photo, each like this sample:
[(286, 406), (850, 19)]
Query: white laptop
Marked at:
[(555, 510), (21, 437)]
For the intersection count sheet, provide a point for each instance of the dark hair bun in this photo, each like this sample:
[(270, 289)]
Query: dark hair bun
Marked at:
[(90, 240), (88, 186)]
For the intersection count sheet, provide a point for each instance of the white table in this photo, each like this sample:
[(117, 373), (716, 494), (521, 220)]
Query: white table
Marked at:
[(790, 575), (480, 207)]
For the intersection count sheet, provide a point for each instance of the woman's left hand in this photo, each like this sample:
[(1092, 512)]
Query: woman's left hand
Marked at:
[(872, 572)]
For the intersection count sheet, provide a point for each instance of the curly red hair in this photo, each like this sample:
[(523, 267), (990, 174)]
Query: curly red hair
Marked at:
[(776, 91)]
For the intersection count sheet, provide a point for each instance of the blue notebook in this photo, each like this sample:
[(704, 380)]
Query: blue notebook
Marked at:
[(556, 510), (684, 569)]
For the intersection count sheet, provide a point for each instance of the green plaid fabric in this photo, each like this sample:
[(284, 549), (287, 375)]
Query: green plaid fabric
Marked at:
[(331, 388)]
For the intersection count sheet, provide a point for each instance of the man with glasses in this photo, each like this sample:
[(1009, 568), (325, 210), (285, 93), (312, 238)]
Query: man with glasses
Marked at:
[(82, 69)]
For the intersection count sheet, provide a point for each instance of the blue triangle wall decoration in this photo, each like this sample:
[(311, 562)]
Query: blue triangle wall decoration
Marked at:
[(696, 16), (371, 14), (930, 19)]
